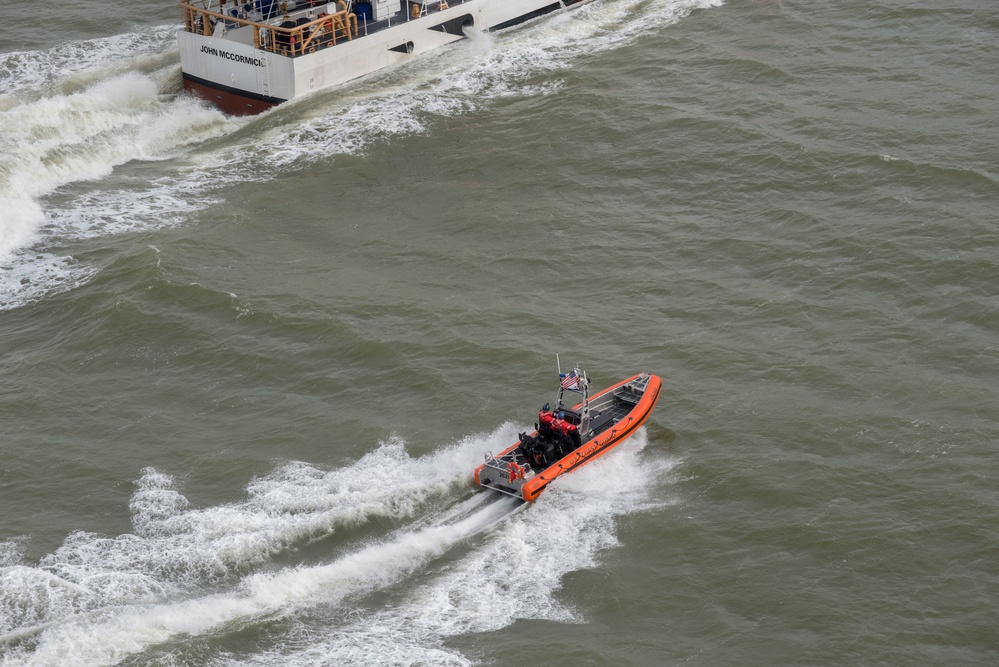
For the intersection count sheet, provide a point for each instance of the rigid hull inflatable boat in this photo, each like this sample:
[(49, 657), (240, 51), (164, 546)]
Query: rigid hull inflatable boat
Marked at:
[(567, 438)]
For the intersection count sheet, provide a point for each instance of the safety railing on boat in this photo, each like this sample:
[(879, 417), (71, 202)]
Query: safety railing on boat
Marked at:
[(305, 36)]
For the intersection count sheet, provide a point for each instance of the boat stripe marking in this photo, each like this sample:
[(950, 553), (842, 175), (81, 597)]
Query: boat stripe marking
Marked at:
[(624, 436)]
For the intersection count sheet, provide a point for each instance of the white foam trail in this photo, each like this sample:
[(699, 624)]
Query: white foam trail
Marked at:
[(73, 113), (176, 549), (98, 600), (116, 636), (514, 574), (28, 278), (80, 63), (55, 141), (11, 552), (58, 140)]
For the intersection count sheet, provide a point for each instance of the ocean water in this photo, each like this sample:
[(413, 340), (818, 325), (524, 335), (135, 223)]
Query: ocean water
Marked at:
[(247, 365)]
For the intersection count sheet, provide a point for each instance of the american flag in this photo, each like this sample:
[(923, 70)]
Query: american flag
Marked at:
[(570, 381)]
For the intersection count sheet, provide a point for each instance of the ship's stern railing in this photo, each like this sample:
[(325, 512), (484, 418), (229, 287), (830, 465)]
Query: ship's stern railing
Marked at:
[(305, 37)]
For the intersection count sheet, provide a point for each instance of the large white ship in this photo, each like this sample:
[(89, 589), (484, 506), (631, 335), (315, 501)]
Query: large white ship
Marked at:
[(248, 55)]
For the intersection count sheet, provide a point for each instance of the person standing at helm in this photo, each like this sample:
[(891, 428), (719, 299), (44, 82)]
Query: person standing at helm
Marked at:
[(564, 434), (545, 419)]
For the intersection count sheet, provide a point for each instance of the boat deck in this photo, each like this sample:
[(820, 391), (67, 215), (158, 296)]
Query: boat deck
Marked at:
[(308, 29)]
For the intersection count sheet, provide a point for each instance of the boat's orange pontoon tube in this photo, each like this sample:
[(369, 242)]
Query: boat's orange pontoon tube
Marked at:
[(590, 429)]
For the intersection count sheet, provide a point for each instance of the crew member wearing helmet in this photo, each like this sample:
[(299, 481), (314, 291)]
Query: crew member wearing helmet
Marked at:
[(564, 434), (545, 419)]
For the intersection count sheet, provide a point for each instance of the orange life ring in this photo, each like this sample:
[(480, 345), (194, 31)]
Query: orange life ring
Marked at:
[(516, 471)]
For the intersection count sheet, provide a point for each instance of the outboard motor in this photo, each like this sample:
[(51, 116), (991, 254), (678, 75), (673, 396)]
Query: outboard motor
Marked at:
[(527, 447)]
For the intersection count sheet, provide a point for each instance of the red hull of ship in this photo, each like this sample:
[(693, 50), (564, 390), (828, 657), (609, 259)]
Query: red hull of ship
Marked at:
[(229, 102)]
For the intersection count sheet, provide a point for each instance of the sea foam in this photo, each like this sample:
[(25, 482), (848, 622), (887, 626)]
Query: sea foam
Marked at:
[(203, 571)]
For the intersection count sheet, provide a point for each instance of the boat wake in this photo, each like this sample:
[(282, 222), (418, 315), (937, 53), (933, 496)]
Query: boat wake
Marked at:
[(74, 66), (451, 562), (78, 121), (93, 120)]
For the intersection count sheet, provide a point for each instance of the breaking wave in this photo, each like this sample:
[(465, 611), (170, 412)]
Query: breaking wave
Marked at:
[(69, 67)]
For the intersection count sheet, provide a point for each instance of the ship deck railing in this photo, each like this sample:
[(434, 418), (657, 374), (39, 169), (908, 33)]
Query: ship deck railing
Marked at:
[(307, 35)]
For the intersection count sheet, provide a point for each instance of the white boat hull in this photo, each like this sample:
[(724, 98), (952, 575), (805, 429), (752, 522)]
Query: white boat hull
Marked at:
[(227, 69)]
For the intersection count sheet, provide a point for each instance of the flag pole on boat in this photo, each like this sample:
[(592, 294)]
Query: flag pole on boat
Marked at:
[(558, 394)]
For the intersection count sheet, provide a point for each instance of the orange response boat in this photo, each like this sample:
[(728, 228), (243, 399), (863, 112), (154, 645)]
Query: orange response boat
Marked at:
[(568, 438)]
